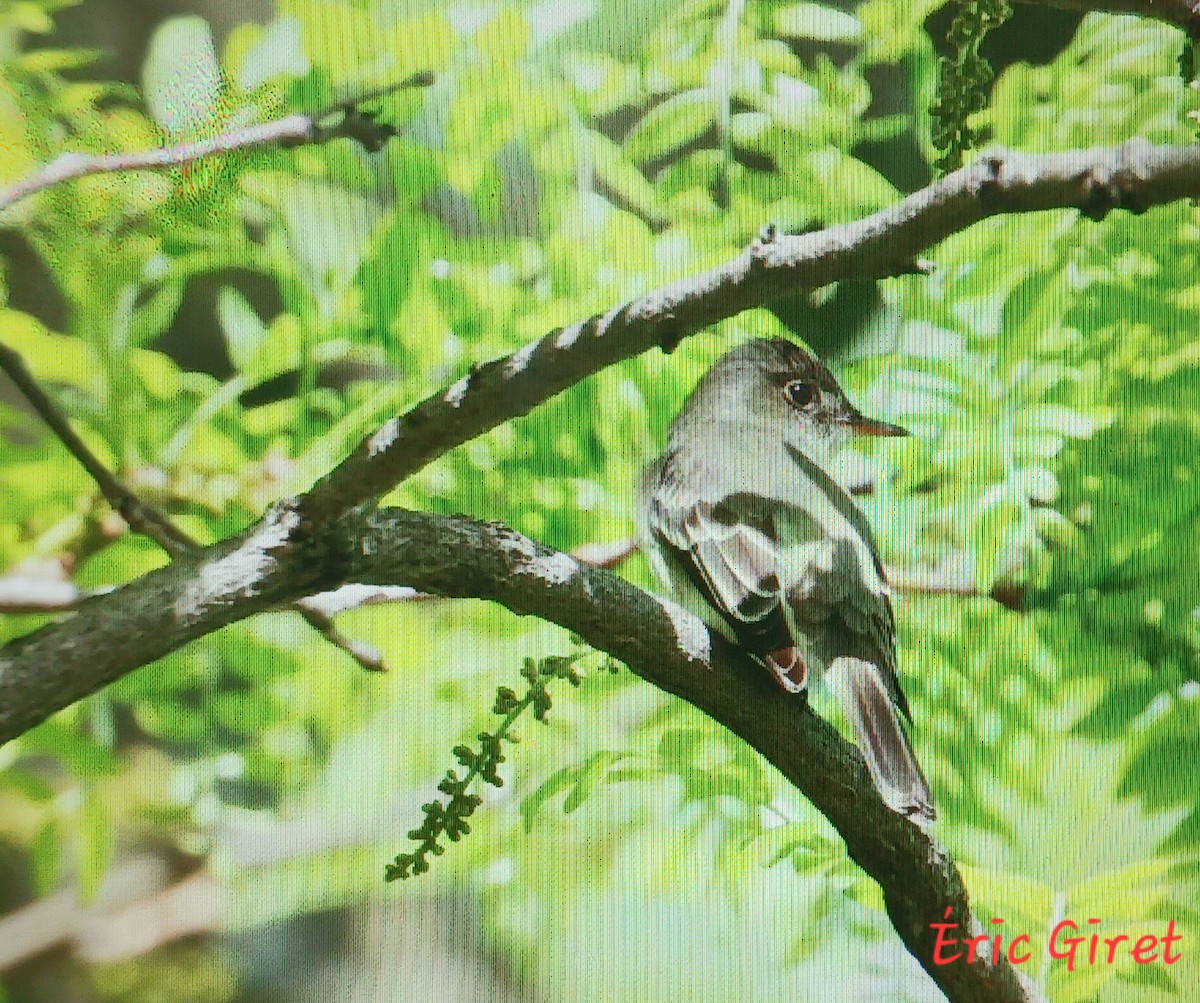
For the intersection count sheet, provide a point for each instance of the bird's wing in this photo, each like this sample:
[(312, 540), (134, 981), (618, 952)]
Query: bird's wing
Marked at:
[(836, 578), (727, 549), (774, 568), (836, 597)]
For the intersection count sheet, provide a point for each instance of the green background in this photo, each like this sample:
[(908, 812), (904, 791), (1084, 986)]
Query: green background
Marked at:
[(223, 334)]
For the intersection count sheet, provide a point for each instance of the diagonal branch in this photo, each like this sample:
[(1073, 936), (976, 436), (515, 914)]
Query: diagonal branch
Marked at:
[(1132, 176), (294, 130), (113, 634), (141, 517)]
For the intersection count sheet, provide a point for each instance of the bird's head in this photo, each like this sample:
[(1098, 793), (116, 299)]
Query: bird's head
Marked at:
[(777, 387)]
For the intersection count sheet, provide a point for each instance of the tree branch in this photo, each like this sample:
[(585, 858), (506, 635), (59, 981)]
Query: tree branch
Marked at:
[(27, 593), (294, 130), (1132, 176), (456, 557), (143, 518)]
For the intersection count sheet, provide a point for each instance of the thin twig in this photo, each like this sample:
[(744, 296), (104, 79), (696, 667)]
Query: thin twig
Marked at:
[(298, 129), (141, 517), (366, 655)]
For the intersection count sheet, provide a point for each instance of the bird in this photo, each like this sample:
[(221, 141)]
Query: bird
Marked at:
[(741, 519)]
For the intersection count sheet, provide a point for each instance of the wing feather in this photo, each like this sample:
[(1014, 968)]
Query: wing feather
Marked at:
[(807, 572)]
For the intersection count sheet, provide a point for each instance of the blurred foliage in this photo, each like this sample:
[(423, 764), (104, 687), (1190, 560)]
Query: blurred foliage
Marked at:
[(194, 974), (230, 329)]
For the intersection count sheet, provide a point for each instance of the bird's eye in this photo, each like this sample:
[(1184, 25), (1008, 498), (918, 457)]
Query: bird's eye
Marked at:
[(801, 394)]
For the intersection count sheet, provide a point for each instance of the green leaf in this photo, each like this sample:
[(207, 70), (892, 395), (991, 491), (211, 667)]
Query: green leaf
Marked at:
[(386, 269), (581, 778), (243, 328), (1150, 976), (588, 776), (95, 843), (1026, 902), (153, 315), (278, 351), (45, 853), (30, 17), (556, 783), (851, 183), (1114, 712), (812, 20), (503, 37), (1130, 892), (181, 78), (671, 125), (614, 168), (51, 357), (277, 52)]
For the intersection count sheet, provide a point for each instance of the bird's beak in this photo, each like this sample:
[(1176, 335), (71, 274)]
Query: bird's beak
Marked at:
[(863, 425)]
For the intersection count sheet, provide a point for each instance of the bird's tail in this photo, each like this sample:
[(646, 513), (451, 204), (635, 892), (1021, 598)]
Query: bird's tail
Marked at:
[(894, 769)]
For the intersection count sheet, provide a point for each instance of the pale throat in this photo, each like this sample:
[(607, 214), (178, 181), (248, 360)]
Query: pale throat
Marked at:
[(754, 449), (821, 444)]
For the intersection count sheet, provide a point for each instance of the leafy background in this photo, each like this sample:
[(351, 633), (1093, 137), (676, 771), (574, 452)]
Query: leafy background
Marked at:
[(223, 333)]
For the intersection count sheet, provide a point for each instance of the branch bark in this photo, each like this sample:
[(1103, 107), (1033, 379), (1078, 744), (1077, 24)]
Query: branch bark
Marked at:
[(1133, 176), (457, 557), (144, 518)]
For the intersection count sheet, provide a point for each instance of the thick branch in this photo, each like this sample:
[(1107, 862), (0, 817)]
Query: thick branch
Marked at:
[(1132, 176), (142, 517), (114, 634)]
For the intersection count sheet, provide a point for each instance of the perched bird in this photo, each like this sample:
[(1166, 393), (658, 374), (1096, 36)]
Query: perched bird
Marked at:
[(741, 518)]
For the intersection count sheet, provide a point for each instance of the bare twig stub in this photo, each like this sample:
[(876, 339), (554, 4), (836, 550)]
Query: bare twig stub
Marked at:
[(34, 594)]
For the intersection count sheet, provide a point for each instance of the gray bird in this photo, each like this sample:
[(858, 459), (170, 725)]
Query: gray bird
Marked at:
[(741, 519)]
